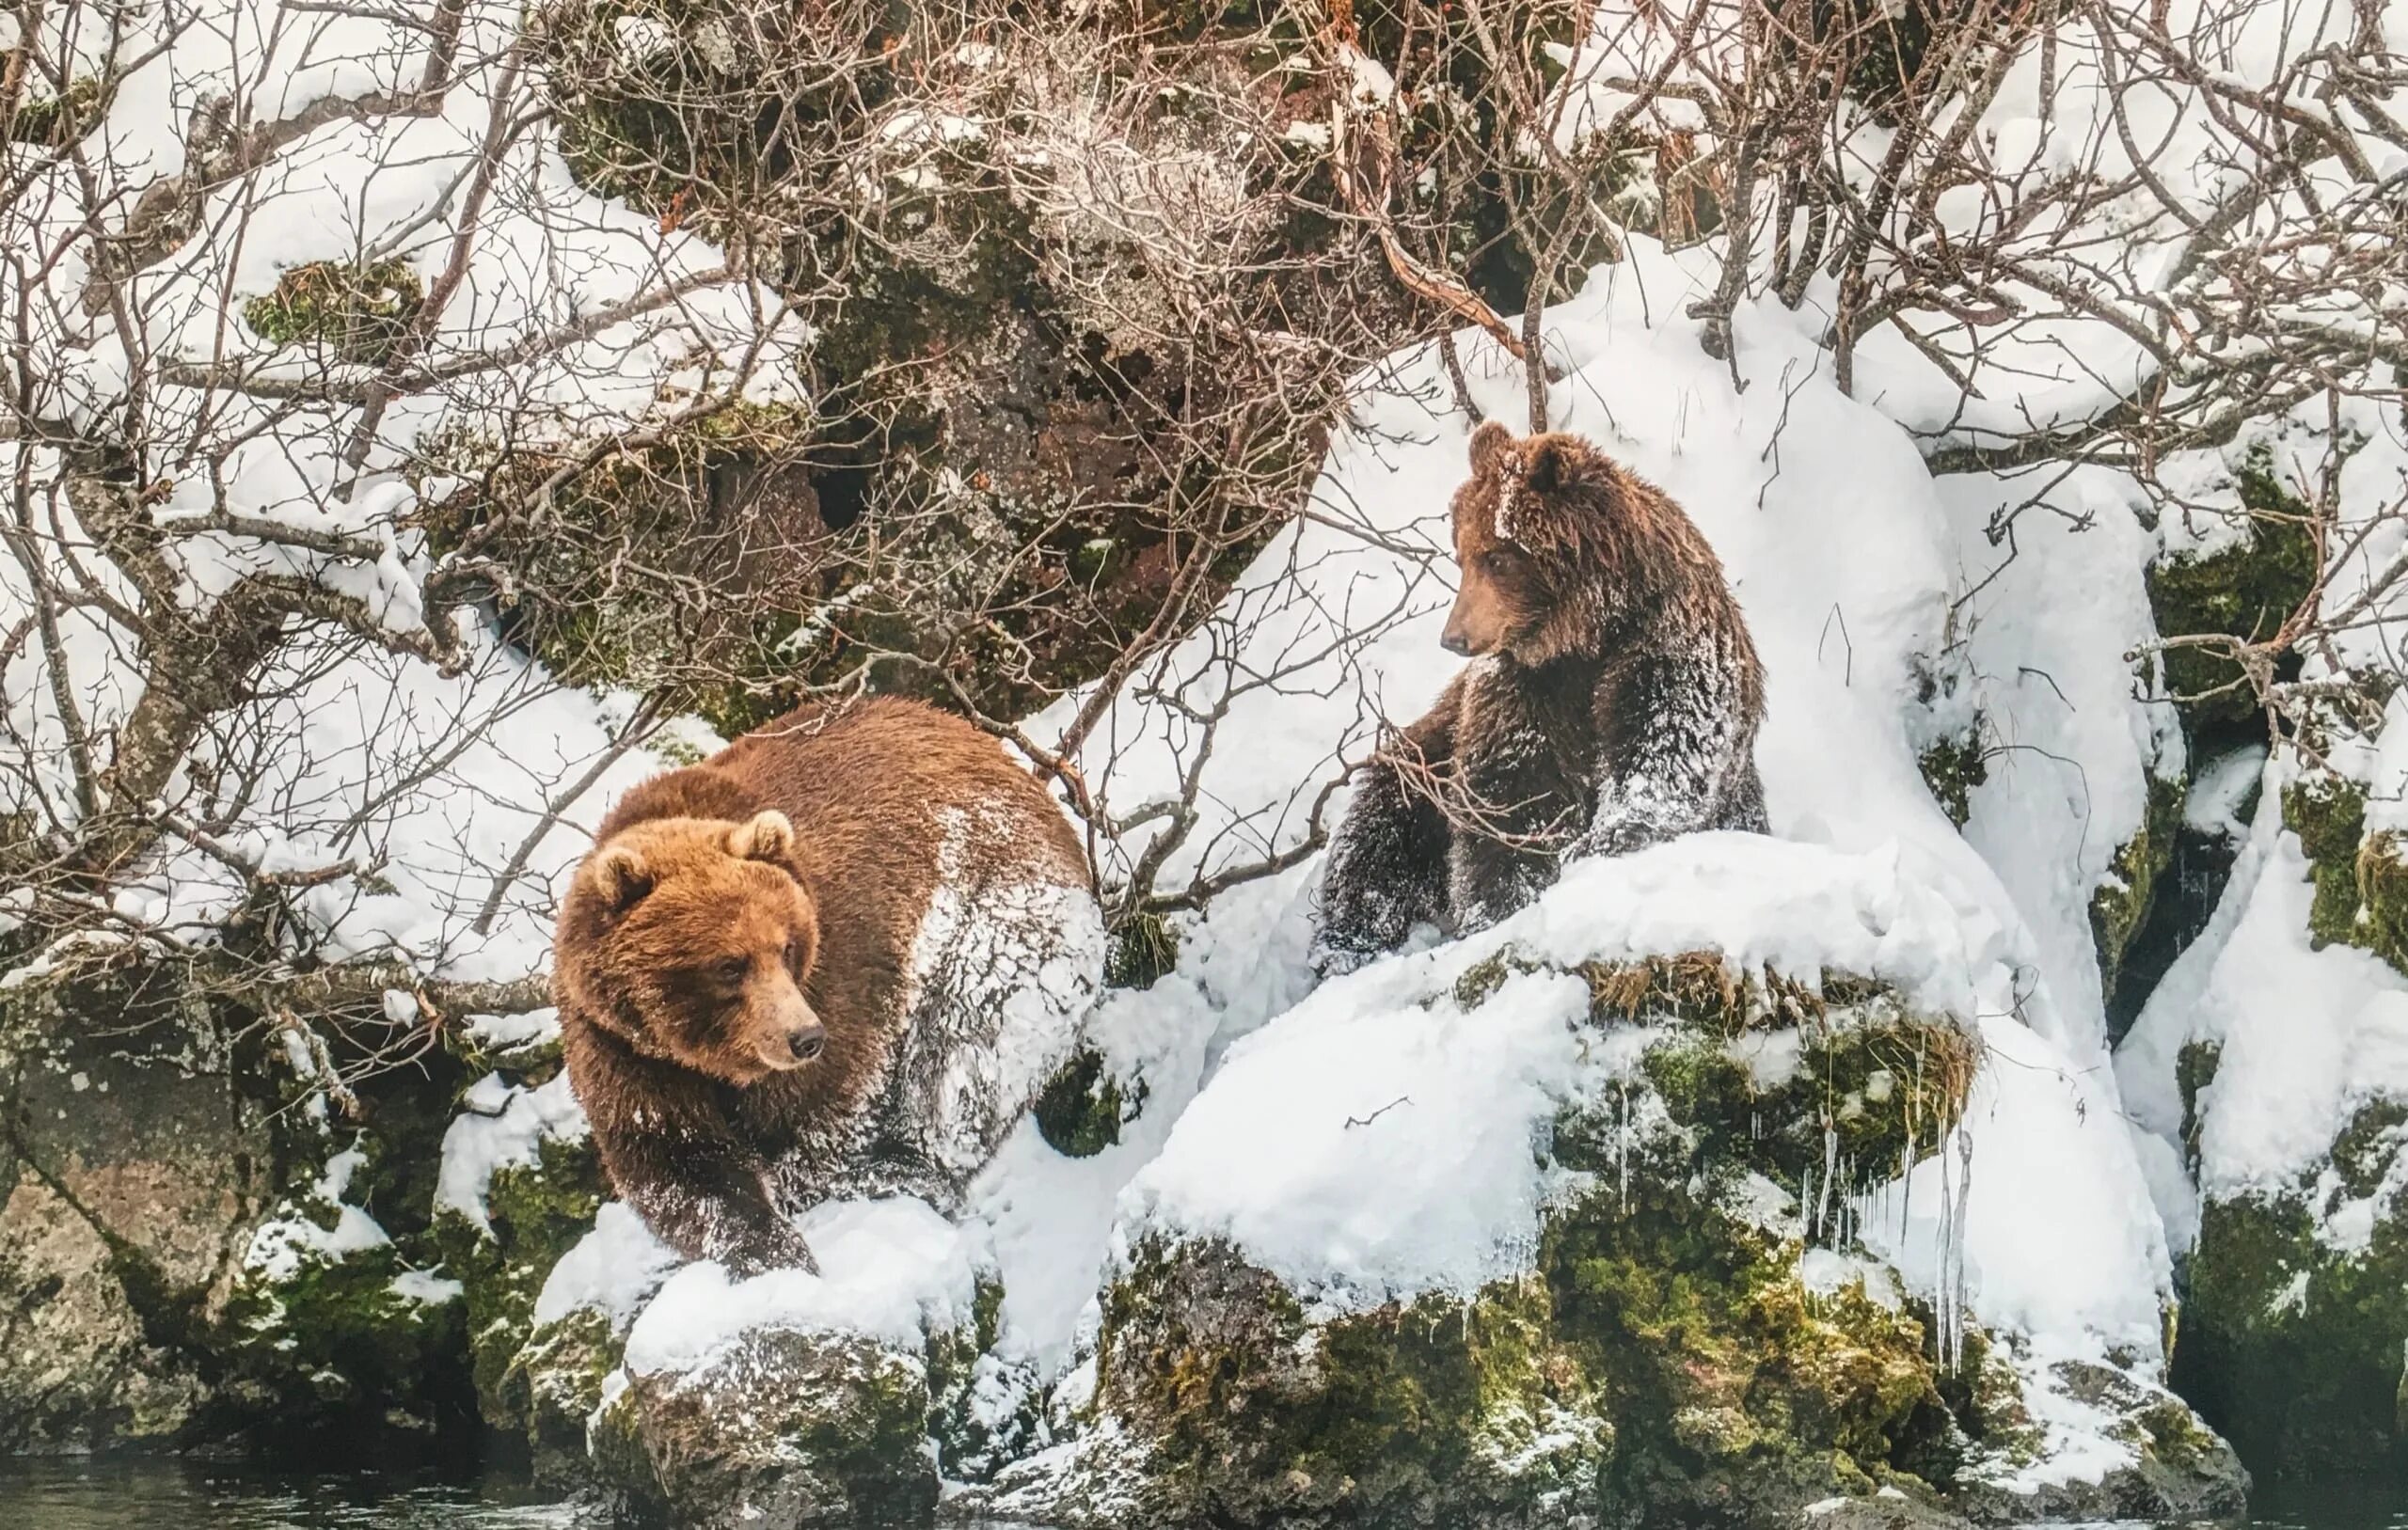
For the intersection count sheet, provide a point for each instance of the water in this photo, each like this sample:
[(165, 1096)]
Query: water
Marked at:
[(182, 1495)]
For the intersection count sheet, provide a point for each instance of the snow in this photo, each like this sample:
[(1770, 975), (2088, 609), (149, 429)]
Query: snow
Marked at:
[(502, 1126), (283, 1244), (510, 1032), (892, 1269), (2307, 1038), (614, 1269), (1364, 1148)]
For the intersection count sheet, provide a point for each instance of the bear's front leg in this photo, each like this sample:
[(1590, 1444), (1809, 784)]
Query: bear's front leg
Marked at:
[(708, 1198), (1513, 816), (1387, 863), (1682, 750)]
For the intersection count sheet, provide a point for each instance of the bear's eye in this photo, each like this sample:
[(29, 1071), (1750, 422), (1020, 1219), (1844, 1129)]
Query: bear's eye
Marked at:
[(730, 971), (1497, 560), (793, 955)]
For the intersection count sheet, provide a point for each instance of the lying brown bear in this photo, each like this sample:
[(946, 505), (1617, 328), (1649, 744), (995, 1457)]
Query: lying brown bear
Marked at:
[(841, 956), (1611, 702)]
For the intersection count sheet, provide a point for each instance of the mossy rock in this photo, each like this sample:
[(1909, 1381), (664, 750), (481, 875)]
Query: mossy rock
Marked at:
[(796, 1427), (2328, 813), (536, 1213), (2247, 590), (357, 313), (974, 1436), (552, 1385), (1081, 1109), (340, 1348), (1662, 1357), (2291, 1346), (335, 1325), (2120, 905)]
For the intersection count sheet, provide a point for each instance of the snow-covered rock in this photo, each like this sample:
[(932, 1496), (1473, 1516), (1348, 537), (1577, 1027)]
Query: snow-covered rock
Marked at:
[(1554, 1225)]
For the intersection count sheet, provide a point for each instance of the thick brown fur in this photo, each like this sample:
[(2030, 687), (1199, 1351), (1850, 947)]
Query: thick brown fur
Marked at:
[(1613, 701), (734, 965)]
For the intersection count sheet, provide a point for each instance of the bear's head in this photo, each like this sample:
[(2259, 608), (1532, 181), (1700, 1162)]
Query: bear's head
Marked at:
[(1535, 537), (692, 940)]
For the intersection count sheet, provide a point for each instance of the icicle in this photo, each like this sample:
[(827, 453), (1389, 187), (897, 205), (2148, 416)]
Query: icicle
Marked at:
[(1831, 1168), (1964, 1196), (1906, 1188)]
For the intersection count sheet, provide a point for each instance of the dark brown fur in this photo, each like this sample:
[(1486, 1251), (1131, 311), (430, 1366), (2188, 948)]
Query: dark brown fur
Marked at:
[(1613, 703), (703, 932)]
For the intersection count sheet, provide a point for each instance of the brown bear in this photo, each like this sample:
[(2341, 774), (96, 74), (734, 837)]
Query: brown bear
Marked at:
[(841, 956), (1613, 701)]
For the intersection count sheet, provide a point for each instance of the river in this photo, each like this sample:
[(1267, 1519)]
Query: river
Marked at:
[(54, 1495)]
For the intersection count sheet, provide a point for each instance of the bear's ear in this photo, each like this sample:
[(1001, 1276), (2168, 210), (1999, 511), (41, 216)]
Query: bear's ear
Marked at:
[(767, 836), (1549, 465), (1488, 446), (621, 876)]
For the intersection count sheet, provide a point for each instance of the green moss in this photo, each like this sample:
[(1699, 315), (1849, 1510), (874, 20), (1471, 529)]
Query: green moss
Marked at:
[(2289, 1346), (1482, 979), (2120, 905), (2247, 590), (536, 1214), (357, 313), (2328, 813), (1952, 768), (1081, 1109)]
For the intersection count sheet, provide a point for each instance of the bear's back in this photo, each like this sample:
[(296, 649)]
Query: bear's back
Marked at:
[(955, 917)]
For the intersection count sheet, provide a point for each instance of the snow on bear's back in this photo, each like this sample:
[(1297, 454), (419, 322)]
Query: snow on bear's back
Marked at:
[(1009, 960)]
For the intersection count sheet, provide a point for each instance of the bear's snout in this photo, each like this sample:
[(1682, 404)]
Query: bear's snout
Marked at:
[(788, 1035), (1455, 643)]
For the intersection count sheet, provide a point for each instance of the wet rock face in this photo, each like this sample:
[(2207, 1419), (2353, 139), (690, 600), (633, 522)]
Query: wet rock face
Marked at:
[(131, 1171), (2297, 1314)]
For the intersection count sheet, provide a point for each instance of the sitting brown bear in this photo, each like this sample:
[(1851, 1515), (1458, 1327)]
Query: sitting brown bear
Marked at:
[(1613, 701), (842, 955)]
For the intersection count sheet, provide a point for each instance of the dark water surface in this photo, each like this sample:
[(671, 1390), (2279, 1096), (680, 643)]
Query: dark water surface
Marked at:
[(47, 1494)]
